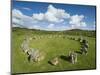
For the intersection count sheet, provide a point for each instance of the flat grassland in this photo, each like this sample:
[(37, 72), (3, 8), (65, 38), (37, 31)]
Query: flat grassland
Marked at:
[(52, 46)]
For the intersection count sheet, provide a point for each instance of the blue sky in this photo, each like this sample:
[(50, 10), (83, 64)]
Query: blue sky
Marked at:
[(53, 16)]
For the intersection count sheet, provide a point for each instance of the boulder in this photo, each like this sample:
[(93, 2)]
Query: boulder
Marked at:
[(36, 55), (54, 61)]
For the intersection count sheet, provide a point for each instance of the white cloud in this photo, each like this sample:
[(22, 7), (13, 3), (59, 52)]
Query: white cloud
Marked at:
[(52, 15), (16, 13), (76, 21), (21, 20), (57, 28), (15, 20), (52, 19), (39, 16), (14, 25), (26, 8), (37, 27), (83, 24), (58, 13), (50, 26), (34, 27)]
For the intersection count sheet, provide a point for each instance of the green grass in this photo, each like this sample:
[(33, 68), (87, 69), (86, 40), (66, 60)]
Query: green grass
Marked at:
[(51, 47)]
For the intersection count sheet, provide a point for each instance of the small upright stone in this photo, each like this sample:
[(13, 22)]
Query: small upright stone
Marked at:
[(73, 57)]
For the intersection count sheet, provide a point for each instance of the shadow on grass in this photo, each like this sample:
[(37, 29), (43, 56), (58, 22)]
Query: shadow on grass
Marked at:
[(78, 52), (50, 63), (66, 58), (29, 58)]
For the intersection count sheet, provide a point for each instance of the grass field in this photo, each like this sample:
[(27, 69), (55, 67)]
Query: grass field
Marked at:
[(52, 47)]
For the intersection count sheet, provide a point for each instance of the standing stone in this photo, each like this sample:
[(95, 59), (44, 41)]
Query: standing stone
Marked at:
[(84, 50), (36, 55), (73, 57)]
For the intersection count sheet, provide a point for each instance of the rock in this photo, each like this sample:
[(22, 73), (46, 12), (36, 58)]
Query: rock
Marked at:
[(25, 46), (86, 45), (54, 61), (73, 57), (36, 56), (84, 50)]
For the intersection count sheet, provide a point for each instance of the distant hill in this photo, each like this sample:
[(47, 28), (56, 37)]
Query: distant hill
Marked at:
[(79, 30), (52, 31), (89, 33)]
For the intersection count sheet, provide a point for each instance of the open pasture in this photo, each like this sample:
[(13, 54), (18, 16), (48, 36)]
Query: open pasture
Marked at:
[(52, 45)]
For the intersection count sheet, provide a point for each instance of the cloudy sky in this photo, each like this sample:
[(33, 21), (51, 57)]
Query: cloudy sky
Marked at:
[(52, 17)]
